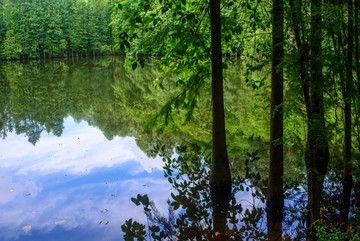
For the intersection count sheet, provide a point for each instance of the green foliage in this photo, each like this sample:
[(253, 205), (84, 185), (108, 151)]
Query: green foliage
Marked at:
[(180, 31), (190, 206), (133, 230), (51, 28), (335, 234)]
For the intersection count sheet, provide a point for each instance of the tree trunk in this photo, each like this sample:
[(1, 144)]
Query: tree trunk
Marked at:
[(220, 171), (318, 145), (347, 175), (275, 197), (356, 40)]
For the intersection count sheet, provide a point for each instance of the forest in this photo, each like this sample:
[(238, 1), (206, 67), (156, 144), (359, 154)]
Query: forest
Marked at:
[(305, 51), (53, 29), (313, 50)]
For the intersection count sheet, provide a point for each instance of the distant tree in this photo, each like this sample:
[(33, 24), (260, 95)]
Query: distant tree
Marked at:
[(11, 48)]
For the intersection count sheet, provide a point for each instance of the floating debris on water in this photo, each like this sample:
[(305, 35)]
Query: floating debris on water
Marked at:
[(26, 229), (60, 222)]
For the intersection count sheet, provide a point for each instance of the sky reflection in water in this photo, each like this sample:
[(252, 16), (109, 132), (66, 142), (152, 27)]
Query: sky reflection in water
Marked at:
[(74, 187)]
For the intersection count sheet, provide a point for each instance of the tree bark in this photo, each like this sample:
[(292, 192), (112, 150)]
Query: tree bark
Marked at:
[(275, 198), (220, 171), (318, 145), (347, 175), (356, 40)]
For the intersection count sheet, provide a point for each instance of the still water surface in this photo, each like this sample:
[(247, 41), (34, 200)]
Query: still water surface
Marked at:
[(74, 152), (74, 187)]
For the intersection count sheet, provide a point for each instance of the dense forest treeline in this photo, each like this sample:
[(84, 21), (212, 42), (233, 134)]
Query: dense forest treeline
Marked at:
[(51, 28)]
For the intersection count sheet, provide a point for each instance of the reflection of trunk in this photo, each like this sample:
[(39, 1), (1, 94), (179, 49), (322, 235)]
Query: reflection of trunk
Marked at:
[(220, 172), (275, 199), (220, 203), (347, 176)]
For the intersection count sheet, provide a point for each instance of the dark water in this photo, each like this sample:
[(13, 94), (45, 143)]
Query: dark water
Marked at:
[(74, 150)]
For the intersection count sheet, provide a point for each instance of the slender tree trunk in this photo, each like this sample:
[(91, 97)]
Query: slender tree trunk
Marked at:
[(220, 171), (296, 15), (275, 197), (356, 40), (347, 176), (318, 146)]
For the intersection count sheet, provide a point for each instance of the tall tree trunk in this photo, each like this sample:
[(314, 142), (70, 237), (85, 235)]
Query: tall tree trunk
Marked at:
[(318, 145), (275, 197), (347, 176), (356, 40), (220, 171), (296, 15)]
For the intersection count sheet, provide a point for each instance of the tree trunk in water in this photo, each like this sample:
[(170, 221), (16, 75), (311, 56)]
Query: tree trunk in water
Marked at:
[(275, 198), (347, 175), (318, 146), (220, 171)]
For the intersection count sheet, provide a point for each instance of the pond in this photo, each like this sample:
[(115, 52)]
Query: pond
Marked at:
[(76, 152)]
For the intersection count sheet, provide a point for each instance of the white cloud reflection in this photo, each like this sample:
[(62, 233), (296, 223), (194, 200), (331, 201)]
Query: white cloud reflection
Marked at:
[(77, 151), (100, 213), (73, 178)]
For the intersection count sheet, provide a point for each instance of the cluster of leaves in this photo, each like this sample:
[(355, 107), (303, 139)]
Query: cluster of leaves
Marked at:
[(180, 32), (332, 231), (190, 207)]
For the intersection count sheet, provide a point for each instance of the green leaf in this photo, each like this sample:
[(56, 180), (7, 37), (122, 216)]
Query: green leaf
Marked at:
[(142, 62), (146, 200), (134, 200), (176, 205), (139, 19), (134, 65)]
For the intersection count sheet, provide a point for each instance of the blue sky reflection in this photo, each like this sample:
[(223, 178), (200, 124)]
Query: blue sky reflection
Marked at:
[(74, 187)]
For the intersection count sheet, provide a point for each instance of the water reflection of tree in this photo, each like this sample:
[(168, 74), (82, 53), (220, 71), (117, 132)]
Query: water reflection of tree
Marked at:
[(195, 212)]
